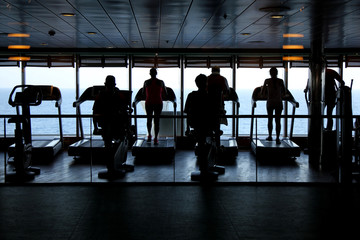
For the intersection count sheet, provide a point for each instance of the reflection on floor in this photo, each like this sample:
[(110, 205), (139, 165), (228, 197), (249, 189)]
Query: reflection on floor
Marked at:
[(245, 168)]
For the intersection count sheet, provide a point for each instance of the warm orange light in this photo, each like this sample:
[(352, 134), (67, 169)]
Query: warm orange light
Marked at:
[(18, 35), (293, 47), (19, 47), (18, 58), (293, 58), (293, 35)]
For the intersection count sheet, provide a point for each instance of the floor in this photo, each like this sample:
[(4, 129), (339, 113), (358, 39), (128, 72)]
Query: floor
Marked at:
[(185, 211), (243, 169), (252, 200)]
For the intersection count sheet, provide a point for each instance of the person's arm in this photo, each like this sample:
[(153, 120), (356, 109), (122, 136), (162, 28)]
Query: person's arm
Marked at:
[(337, 77), (263, 89)]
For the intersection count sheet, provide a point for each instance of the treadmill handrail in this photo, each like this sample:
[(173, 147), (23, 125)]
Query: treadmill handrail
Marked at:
[(140, 96), (256, 96)]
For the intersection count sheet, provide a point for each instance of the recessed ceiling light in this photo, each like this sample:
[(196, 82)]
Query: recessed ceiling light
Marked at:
[(245, 34), (91, 33), (293, 35), (18, 35), (68, 14), (293, 47), (19, 47), (19, 58), (43, 44), (293, 58), (277, 16)]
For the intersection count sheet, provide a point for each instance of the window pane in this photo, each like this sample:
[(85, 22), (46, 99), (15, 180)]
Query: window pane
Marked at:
[(9, 77), (247, 80), (171, 78), (298, 78), (64, 79), (91, 76)]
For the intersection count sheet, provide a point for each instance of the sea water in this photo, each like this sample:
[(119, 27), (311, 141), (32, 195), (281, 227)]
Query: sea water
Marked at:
[(50, 126)]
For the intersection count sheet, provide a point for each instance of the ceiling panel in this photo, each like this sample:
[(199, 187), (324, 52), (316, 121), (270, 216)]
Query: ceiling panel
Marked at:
[(179, 24)]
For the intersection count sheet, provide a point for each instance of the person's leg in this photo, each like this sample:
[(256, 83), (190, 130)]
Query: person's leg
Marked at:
[(278, 124), (149, 113), (157, 112), (270, 122)]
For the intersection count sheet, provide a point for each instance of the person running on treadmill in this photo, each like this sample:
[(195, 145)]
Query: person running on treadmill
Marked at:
[(330, 94), (154, 89), (199, 117), (274, 89), (110, 105)]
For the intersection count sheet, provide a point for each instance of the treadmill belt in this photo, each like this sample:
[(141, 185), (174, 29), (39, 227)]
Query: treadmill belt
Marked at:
[(165, 148), (269, 149)]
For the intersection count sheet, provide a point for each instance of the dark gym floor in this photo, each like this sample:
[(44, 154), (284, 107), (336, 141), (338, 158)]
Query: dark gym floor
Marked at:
[(252, 200), (179, 211), (245, 168)]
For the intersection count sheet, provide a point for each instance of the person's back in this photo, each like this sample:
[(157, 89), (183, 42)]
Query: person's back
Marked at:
[(330, 84), (275, 91), (217, 85), (197, 106), (110, 104)]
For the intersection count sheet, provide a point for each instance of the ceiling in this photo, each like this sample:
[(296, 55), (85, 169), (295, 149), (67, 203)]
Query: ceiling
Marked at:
[(179, 24)]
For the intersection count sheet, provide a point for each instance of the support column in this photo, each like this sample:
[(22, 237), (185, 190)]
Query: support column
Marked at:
[(316, 78)]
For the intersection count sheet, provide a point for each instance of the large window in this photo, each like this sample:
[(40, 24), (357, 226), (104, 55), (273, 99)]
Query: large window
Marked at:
[(247, 79), (171, 78), (9, 77), (297, 81), (92, 76), (352, 73), (64, 79)]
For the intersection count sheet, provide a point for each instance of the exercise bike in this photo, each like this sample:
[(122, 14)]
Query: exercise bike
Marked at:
[(22, 97), (117, 150), (208, 151)]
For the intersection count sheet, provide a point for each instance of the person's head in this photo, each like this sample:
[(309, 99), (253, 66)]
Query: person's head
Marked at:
[(153, 72), (110, 82), (201, 81), (215, 70), (273, 72)]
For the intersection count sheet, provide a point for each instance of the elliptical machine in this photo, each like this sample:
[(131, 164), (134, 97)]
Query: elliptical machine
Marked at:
[(29, 95)]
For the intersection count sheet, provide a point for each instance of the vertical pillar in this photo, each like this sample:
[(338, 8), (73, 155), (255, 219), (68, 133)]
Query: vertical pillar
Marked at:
[(286, 112), (316, 78), (22, 65)]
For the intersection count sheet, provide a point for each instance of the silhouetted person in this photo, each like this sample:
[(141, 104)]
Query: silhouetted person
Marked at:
[(330, 94), (110, 105), (218, 87), (200, 117), (274, 89), (153, 89)]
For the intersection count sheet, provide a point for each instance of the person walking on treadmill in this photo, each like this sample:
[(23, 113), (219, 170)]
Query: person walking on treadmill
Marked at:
[(154, 89), (330, 94), (274, 90)]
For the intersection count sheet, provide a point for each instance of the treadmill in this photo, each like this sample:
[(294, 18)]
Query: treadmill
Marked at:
[(43, 147), (269, 149), (87, 146), (229, 144), (167, 145)]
